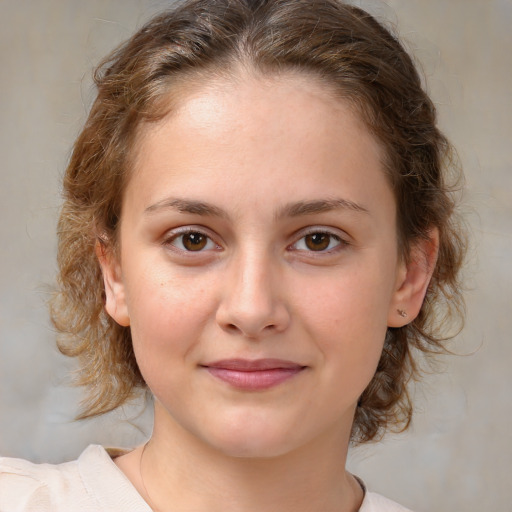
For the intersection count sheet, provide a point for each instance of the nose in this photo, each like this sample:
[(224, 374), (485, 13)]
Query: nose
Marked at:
[(252, 303)]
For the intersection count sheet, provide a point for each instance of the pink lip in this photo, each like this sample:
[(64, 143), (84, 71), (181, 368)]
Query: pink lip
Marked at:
[(254, 375)]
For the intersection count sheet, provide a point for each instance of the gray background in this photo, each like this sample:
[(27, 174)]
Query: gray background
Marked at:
[(458, 454)]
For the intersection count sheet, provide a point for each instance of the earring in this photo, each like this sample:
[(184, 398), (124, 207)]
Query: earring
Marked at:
[(402, 313)]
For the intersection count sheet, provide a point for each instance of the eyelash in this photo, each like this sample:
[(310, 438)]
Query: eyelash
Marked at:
[(340, 242), (210, 244), (179, 236)]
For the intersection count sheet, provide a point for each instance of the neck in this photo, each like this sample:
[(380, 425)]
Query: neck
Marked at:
[(179, 469)]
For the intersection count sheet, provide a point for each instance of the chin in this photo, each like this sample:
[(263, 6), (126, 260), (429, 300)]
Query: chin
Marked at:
[(251, 448), (250, 439)]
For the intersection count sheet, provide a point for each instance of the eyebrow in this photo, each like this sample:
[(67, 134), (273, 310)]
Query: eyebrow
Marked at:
[(187, 206), (295, 209), (319, 206)]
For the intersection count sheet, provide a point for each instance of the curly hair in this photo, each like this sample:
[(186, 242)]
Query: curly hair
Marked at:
[(348, 50)]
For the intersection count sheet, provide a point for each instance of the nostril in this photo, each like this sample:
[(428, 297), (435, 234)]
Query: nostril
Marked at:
[(232, 328), (250, 318)]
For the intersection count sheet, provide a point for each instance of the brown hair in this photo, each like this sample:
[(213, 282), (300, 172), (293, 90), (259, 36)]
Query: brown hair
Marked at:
[(348, 50)]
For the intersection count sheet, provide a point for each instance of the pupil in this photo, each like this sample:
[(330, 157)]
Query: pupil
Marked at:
[(194, 241), (317, 241)]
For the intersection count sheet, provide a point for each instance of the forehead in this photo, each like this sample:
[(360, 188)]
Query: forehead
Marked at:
[(241, 84), (274, 130), (244, 94)]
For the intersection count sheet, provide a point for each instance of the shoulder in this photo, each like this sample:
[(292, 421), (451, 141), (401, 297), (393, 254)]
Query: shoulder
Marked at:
[(90, 483), (28, 486), (374, 502), (25, 486)]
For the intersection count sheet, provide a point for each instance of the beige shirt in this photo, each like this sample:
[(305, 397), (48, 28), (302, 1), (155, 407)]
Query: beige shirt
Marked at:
[(93, 483)]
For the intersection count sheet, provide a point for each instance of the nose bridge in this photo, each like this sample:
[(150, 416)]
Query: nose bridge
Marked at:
[(250, 304), (252, 275)]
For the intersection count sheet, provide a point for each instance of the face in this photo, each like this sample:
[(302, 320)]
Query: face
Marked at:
[(258, 266)]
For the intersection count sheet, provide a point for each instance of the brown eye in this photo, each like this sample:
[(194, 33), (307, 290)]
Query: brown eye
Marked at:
[(317, 241), (194, 241), (190, 240)]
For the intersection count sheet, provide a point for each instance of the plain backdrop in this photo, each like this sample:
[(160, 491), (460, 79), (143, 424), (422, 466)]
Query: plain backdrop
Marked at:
[(458, 454)]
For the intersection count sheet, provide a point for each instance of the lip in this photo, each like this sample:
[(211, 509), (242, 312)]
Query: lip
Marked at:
[(254, 375)]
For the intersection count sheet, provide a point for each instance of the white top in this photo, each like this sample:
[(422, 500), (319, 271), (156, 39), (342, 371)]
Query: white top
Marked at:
[(93, 483)]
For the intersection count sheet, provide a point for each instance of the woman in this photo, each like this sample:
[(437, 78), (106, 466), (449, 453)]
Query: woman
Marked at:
[(256, 228)]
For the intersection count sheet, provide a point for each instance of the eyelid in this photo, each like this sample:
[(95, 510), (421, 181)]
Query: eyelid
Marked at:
[(338, 234), (175, 233)]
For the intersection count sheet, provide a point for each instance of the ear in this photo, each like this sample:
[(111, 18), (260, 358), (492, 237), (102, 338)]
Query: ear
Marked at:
[(114, 287), (413, 278)]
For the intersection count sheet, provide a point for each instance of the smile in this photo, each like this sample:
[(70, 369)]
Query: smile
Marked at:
[(254, 375)]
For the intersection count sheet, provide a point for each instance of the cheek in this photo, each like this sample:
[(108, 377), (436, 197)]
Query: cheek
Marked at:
[(167, 315), (354, 300), (347, 316)]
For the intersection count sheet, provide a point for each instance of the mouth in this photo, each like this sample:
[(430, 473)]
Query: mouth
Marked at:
[(254, 375)]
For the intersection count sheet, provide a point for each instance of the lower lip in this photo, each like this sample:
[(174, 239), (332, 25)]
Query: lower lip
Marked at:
[(254, 380)]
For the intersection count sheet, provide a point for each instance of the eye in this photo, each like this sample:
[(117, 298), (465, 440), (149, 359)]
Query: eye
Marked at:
[(318, 241), (192, 241)]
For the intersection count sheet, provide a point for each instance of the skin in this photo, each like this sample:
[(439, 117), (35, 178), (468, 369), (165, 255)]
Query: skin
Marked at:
[(274, 159)]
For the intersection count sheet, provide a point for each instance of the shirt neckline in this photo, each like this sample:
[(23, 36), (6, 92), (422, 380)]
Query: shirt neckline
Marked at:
[(112, 489), (103, 480)]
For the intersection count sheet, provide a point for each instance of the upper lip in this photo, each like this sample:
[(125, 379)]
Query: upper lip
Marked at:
[(248, 365)]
